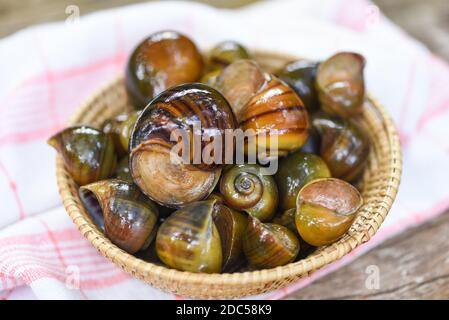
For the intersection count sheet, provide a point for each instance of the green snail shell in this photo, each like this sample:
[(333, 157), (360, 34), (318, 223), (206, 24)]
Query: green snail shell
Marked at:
[(188, 239), (294, 172), (88, 154), (120, 128), (225, 53), (300, 75), (245, 188)]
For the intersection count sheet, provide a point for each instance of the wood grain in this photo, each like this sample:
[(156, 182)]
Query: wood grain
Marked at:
[(413, 265)]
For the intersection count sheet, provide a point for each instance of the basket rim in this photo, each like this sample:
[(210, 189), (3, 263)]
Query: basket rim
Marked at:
[(302, 267)]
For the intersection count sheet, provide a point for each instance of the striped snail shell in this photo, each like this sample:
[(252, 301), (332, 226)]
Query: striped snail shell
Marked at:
[(265, 105), (231, 225), (277, 111), (129, 217), (188, 239), (344, 145), (239, 81), (160, 172), (119, 127), (269, 245)]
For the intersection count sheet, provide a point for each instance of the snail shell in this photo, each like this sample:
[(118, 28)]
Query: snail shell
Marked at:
[(188, 239), (340, 84), (268, 245), (88, 154), (265, 106), (344, 146), (300, 75), (225, 53), (160, 172), (239, 82), (163, 60), (231, 225), (325, 209), (276, 111), (129, 217), (296, 170), (120, 128), (245, 188)]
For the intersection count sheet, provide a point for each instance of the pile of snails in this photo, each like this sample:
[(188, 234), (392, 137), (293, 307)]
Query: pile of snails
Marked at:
[(209, 217)]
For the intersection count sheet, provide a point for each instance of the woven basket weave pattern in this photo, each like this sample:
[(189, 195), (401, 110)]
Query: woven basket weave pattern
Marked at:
[(379, 187)]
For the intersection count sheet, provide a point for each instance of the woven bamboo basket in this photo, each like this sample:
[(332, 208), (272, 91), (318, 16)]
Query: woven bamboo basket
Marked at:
[(379, 187)]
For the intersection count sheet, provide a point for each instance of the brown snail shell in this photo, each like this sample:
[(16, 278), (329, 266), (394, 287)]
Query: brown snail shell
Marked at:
[(129, 217), (163, 60), (160, 172), (344, 145), (277, 112), (240, 81), (268, 245), (340, 84), (231, 225)]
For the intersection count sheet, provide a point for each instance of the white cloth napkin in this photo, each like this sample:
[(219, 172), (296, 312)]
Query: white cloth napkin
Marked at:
[(47, 71)]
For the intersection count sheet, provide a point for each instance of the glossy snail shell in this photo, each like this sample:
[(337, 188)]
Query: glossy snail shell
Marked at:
[(246, 188), (276, 111), (88, 154), (301, 76), (231, 225), (340, 84), (325, 209), (268, 245), (240, 81), (295, 171), (163, 60), (119, 127), (188, 239), (160, 172), (344, 145), (129, 217)]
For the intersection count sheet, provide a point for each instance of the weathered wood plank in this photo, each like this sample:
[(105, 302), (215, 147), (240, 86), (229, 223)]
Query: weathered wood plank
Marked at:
[(413, 265)]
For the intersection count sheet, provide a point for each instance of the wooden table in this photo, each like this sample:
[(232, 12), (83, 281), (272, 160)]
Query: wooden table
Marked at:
[(412, 265)]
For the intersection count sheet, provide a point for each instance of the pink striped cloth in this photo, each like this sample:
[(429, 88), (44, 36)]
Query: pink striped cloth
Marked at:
[(47, 71)]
